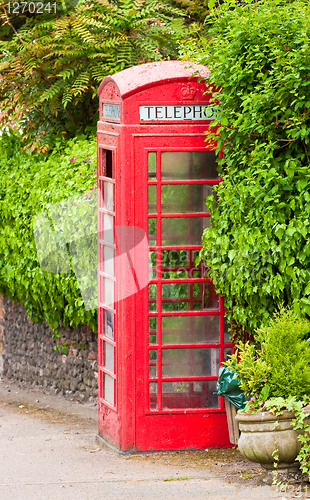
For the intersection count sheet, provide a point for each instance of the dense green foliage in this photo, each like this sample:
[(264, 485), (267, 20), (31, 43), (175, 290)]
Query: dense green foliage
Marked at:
[(258, 247), (28, 185), (276, 373), (280, 359), (51, 66)]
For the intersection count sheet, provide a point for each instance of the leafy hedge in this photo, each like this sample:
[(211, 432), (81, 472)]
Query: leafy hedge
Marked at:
[(258, 247), (29, 184)]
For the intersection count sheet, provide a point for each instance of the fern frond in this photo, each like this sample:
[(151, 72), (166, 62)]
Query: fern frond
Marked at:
[(52, 76), (52, 91), (81, 83), (67, 73), (67, 97)]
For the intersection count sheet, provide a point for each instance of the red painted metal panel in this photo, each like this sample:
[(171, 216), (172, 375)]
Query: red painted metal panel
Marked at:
[(141, 77), (188, 431), (108, 424)]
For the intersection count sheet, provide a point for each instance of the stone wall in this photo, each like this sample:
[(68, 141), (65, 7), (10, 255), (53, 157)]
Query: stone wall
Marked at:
[(1, 333), (27, 354)]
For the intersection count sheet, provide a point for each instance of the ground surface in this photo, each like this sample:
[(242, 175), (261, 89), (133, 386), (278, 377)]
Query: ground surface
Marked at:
[(49, 451)]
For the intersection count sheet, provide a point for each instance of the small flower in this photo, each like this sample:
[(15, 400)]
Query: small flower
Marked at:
[(261, 403), (81, 173), (92, 188), (95, 172), (252, 407), (252, 398), (73, 158)]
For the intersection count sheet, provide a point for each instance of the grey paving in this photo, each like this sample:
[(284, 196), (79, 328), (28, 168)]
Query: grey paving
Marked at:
[(49, 451)]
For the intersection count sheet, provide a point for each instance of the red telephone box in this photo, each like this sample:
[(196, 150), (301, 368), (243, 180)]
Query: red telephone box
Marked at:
[(161, 343)]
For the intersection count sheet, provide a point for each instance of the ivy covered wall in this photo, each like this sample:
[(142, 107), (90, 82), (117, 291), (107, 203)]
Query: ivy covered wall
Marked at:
[(30, 184)]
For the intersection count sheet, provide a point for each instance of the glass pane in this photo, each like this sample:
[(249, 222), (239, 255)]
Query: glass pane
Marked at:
[(109, 325), (109, 293), (152, 330), (188, 165), (109, 357), (200, 362), (189, 297), (152, 297), (190, 329), (100, 257), (152, 165), (108, 195), (152, 264), (152, 231), (153, 363), (210, 297), (174, 264), (101, 290), (174, 258), (198, 272), (184, 197), (108, 164), (227, 334), (195, 257), (201, 271), (108, 228), (108, 266), (183, 394), (183, 230), (152, 199), (109, 389), (153, 395), (227, 352), (172, 295), (179, 273)]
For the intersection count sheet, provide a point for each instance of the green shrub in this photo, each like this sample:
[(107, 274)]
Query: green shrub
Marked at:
[(288, 355), (29, 184), (280, 358)]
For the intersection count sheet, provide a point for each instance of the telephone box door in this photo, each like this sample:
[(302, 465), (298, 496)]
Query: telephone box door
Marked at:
[(186, 338)]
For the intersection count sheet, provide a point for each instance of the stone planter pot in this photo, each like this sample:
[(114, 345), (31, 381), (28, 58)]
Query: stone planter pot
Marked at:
[(259, 439)]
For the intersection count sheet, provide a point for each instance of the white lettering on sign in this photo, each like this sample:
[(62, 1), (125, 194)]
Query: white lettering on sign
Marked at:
[(111, 111), (176, 112)]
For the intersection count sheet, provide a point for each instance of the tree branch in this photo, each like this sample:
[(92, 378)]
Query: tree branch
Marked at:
[(10, 24)]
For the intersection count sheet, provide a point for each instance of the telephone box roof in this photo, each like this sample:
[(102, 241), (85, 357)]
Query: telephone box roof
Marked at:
[(132, 80)]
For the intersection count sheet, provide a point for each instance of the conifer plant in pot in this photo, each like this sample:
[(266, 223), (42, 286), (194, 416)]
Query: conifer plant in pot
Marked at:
[(274, 371)]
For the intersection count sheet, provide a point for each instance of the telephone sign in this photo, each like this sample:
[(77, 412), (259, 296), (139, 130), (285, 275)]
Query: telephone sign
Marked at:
[(111, 111), (175, 112)]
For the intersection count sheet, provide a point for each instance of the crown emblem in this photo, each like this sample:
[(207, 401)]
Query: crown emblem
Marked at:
[(188, 92)]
